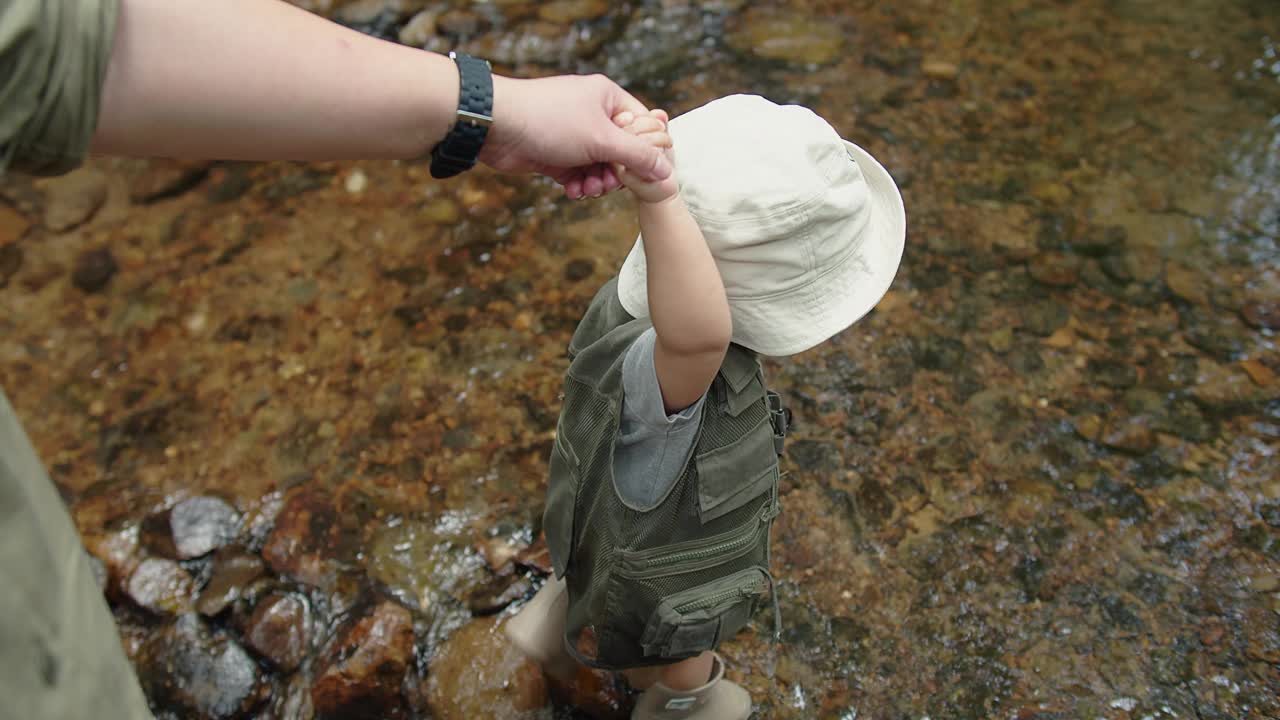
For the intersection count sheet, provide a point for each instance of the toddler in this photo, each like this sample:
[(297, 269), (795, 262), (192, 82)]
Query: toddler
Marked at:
[(773, 235)]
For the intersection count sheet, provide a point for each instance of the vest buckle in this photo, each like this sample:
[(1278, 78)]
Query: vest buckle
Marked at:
[(780, 419)]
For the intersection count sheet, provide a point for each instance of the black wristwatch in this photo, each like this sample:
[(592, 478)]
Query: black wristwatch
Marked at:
[(460, 148)]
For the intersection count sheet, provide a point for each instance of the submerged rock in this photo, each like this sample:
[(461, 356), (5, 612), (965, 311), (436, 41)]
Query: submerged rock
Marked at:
[(478, 673), (192, 528), (11, 258), (792, 37), (303, 544), (496, 593), (157, 179), (94, 269), (1228, 387), (73, 198), (1054, 269), (419, 30), (360, 674), (160, 585), (188, 668), (599, 694), (1262, 314), (13, 225), (233, 571), (279, 630), (565, 12)]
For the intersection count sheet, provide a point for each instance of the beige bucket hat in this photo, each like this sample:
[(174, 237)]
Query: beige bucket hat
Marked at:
[(807, 229)]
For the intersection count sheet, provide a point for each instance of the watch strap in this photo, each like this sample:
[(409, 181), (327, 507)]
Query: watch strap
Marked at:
[(460, 148)]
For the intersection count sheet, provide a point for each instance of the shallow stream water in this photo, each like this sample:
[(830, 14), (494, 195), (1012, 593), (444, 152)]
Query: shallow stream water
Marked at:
[(1041, 480)]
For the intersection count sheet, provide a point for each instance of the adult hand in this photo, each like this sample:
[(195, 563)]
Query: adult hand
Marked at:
[(563, 127)]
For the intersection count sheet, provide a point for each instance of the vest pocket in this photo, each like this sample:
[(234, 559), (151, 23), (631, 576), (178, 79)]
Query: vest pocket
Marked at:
[(722, 486), (557, 518), (697, 619)]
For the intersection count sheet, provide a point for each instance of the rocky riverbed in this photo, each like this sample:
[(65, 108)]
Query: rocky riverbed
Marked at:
[(302, 413)]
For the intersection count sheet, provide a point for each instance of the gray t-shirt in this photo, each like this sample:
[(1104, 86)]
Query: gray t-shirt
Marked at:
[(652, 446)]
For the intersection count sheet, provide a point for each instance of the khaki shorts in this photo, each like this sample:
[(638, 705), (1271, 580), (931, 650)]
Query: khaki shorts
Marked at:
[(60, 653)]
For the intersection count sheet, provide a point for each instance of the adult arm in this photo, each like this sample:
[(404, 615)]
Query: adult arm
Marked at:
[(261, 80)]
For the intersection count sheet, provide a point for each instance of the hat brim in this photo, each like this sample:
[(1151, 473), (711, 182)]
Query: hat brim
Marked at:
[(793, 322)]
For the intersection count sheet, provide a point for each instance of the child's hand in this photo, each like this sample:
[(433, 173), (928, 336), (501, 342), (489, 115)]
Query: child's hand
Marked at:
[(651, 127)]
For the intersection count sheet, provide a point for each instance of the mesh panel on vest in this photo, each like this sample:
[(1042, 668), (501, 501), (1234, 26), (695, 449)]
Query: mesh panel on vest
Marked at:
[(618, 617), (621, 564)]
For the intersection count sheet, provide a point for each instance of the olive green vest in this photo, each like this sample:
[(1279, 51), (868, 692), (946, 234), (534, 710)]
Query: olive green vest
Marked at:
[(649, 586)]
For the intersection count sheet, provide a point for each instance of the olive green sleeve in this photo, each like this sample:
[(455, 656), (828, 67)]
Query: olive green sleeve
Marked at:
[(53, 61)]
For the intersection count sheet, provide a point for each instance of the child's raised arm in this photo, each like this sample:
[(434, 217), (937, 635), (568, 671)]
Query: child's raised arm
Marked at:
[(686, 297)]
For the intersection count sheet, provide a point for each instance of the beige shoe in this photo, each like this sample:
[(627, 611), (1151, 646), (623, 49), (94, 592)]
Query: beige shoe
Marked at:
[(719, 699), (538, 629)]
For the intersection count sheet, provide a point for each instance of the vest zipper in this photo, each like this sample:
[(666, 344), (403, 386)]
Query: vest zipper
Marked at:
[(716, 599), (643, 564)]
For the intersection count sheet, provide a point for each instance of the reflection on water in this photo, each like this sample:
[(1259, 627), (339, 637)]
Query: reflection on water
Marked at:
[(1039, 481)]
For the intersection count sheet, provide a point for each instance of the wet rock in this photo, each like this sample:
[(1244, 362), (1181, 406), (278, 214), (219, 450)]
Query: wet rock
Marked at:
[(579, 269), (279, 630), (232, 572), (1269, 511), (1262, 314), (1051, 193), (1112, 373), (295, 702), (153, 180), (13, 225), (199, 673), (161, 586), (1054, 269), (648, 54), (1186, 283), (94, 269), (536, 557), (1088, 426), (939, 70), (423, 565), (73, 198), (303, 544), (537, 42), (192, 528), (11, 257), (296, 183), (1140, 264), (365, 12), (1101, 241), (356, 181), (461, 23), (599, 694), (936, 352), (1001, 341), (497, 593), (1259, 373), (1184, 419), (441, 211), (360, 674), (478, 673), (1131, 434), (1025, 361), (1044, 318), (419, 30), (1264, 642), (785, 36), (564, 12), (1219, 335), (229, 184)]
